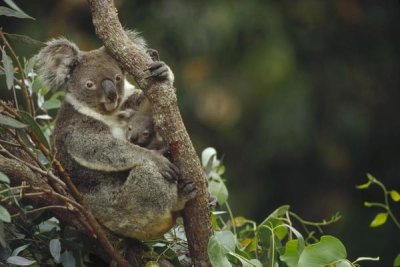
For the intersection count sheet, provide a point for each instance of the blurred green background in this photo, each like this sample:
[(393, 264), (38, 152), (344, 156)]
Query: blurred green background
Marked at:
[(301, 98)]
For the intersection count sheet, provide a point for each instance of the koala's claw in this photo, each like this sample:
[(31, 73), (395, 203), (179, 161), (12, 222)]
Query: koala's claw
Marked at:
[(187, 189), (158, 70), (153, 54), (172, 173)]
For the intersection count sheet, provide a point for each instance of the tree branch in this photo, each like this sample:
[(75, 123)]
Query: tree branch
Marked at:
[(168, 119)]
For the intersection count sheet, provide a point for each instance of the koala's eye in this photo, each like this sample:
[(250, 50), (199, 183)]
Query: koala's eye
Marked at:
[(130, 128), (90, 85), (146, 133), (117, 77)]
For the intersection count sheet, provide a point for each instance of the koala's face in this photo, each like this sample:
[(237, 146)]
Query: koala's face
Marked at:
[(98, 81), (140, 129), (93, 78)]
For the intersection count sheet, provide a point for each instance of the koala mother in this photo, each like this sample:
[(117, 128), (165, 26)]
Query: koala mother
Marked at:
[(132, 191)]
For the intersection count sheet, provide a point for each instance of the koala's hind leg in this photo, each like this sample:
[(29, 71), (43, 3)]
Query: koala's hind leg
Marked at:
[(186, 190), (145, 203)]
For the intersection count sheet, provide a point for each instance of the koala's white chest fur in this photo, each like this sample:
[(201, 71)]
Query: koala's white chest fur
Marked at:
[(117, 127)]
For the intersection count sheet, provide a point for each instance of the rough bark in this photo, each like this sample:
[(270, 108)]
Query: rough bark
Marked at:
[(167, 118)]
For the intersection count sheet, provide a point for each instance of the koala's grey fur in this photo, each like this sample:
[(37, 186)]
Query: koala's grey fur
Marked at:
[(128, 187)]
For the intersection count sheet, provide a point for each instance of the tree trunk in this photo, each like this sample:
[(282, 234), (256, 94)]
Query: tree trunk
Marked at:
[(167, 118)]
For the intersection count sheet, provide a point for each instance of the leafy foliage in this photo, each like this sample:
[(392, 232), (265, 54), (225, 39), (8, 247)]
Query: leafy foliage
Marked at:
[(388, 197), (32, 236), (275, 241)]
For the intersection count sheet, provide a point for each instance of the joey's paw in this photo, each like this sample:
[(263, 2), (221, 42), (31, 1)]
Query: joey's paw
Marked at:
[(158, 70), (153, 54), (187, 189)]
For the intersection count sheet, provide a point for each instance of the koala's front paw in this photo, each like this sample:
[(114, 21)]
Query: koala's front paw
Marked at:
[(187, 189), (167, 169), (153, 54), (159, 70)]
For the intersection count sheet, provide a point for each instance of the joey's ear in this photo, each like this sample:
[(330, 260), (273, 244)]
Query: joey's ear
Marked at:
[(125, 114), (145, 106), (56, 61)]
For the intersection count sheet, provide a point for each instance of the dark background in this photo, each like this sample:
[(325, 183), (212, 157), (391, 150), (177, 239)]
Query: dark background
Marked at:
[(300, 97)]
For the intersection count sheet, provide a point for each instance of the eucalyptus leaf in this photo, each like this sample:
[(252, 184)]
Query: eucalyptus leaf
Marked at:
[(324, 253), (217, 253), (67, 259), (28, 68), (4, 215), (396, 262), (20, 261), (4, 178), (26, 118), (152, 264), (25, 39), (279, 212), (8, 68), (55, 249), (379, 219), (292, 253), (10, 122), (52, 103), (22, 14), (3, 242), (218, 189), (19, 250), (395, 195)]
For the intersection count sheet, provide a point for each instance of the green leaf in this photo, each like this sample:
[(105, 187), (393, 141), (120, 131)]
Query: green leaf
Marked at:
[(26, 118), (279, 212), (8, 68), (52, 103), (28, 68), (16, 11), (343, 263), (10, 122), (326, 252), (4, 215), (379, 219), (292, 253), (67, 259), (25, 39), (4, 178), (152, 264), (217, 253), (395, 195), (11, 4), (396, 262), (226, 239), (364, 186), (3, 242), (20, 261), (371, 177), (218, 189), (19, 250), (55, 249)]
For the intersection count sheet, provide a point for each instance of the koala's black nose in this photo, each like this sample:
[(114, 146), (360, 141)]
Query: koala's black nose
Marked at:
[(109, 90)]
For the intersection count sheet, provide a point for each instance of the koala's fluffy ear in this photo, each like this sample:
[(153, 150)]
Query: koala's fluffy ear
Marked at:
[(56, 61)]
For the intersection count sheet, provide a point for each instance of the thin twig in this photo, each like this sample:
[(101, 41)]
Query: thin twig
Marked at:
[(32, 167), (25, 92), (40, 209)]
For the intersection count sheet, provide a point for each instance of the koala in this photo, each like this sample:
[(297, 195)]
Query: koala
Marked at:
[(140, 129), (133, 191)]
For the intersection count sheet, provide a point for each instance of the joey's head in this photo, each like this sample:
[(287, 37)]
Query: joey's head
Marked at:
[(139, 126), (91, 78)]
